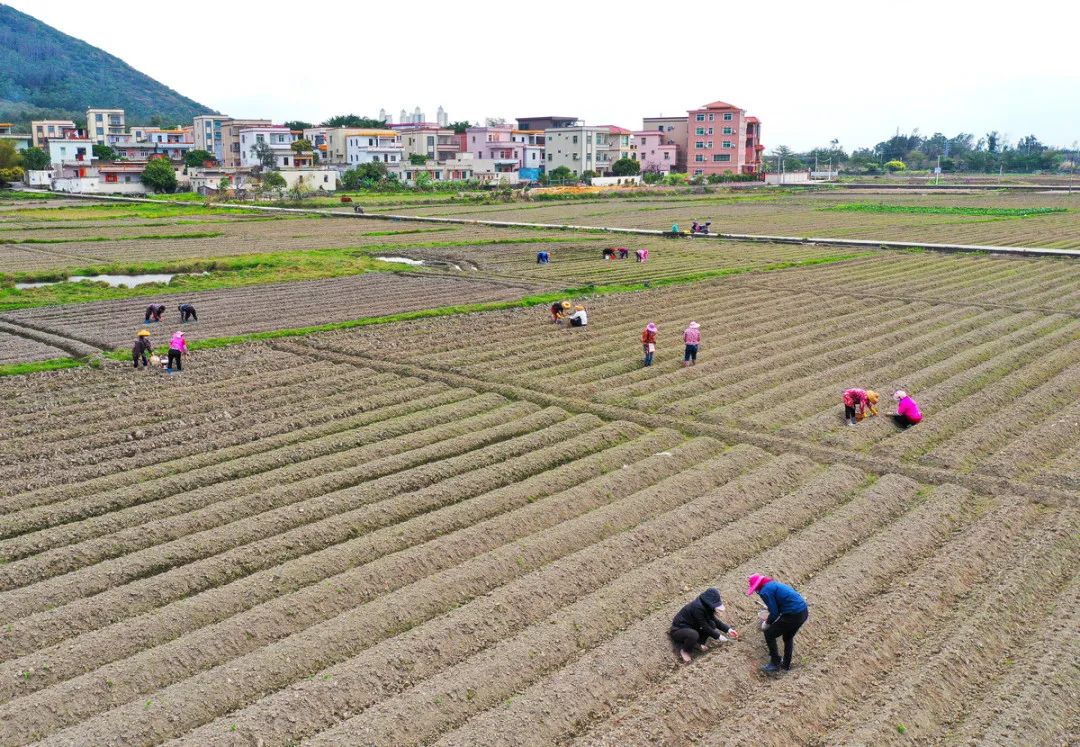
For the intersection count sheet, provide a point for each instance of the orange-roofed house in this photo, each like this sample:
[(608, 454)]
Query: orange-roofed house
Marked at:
[(722, 140)]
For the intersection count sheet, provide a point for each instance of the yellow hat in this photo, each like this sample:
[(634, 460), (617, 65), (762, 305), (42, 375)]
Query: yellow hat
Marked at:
[(579, 307), (872, 397), (566, 304), (143, 333)]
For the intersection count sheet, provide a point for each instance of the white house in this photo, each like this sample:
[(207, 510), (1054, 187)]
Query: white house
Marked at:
[(365, 146), (280, 140), (73, 152)]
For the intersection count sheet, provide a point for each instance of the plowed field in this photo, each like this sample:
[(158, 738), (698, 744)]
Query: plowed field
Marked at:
[(812, 214), (475, 529)]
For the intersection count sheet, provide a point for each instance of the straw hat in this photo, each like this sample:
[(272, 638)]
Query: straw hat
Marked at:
[(579, 307), (872, 397), (143, 333)]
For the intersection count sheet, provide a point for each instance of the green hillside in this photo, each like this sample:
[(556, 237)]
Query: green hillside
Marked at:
[(45, 73)]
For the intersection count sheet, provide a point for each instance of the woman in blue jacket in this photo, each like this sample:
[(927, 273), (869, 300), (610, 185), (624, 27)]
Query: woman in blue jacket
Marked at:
[(787, 613)]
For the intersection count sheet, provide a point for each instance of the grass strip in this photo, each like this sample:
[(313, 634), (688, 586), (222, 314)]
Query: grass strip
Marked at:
[(527, 301), (52, 364), (148, 237), (877, 207)]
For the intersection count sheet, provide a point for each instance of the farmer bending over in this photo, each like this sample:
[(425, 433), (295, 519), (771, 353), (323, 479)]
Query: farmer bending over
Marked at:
[(177, 347), (141, 348), (697, 622), (907, 410), (787, 613), (559, 310), (187, 311), (154, 312), (579, 318), (857, 402)]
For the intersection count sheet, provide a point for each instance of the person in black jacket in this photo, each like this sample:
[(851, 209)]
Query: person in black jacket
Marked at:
[(141, 349), (187, 311), (697, 623)]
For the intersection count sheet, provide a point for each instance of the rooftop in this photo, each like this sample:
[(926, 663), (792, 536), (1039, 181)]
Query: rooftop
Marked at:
[(721, 105)]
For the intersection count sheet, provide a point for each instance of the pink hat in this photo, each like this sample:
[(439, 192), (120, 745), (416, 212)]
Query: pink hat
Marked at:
[(651, 326), (755, 582), (178, 333), (694, 325)]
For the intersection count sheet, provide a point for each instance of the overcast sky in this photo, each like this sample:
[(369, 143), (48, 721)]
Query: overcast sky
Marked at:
[(811, 71)]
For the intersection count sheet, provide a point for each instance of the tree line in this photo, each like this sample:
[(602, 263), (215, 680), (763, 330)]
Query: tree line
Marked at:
[(962, 152)]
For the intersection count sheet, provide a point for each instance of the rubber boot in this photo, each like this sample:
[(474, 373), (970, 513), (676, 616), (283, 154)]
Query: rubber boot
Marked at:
[(772, 667)]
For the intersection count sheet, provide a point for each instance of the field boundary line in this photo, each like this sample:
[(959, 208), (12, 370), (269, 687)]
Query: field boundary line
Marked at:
[(752, 238), (777, 445)]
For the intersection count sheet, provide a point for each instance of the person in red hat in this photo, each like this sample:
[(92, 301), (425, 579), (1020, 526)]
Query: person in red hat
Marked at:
[(787, 613)]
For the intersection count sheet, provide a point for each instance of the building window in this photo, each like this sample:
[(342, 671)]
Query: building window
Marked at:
[(710, 144), (700, 118), (727, 143), (710, 117), (699, 144), (727, 130), (698, 172), (700, 157), (727, 117), (724, 157), (574, 140), (699, 131), (666, 156)]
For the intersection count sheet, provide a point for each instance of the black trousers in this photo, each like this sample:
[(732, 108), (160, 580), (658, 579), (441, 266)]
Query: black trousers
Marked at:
[(135, 359), (785, 626), (849, 412), (174, 355), (902, 421), (186, 313), (685, 639)]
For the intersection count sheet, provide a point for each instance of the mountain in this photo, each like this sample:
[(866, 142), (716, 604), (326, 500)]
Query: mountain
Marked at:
[(47, 74)]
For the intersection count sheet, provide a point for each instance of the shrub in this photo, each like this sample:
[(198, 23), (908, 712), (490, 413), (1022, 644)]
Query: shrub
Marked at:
[(159, 175), (895, 165)]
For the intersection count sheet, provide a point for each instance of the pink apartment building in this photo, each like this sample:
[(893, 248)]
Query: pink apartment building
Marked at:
[(655, 152), (495, 144), (722, 140)]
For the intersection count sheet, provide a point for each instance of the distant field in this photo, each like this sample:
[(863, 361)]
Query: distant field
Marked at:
[(977, 218)]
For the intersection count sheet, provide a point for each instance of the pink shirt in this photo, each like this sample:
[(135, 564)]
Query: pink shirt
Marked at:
[(909, 409), (692, 336), (178, 343)]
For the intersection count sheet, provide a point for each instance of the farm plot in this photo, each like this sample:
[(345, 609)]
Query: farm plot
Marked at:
[(816, 214), (18, 349), (131, 245), (112, 324), (776, 357), (581, 264), (332, 554)]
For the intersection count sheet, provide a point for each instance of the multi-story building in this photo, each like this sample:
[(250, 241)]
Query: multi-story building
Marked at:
[(532, 152), (206, 130), (21, 141), (674, 130), (230, 139), (429, 140), (546, 122), (462, 167), (71, 156), (655, 152), (279, 139), (44, 129), (102, 123), (718, 141), (366, 146), (584, 148), (754, 148)]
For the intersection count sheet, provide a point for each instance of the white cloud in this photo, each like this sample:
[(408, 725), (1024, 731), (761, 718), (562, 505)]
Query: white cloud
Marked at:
[(811, 71)]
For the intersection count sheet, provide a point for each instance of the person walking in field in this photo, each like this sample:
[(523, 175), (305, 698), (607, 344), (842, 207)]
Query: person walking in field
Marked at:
[(559, 309), (692, 338), (177, 348), (907, 410), (154, 312), (580, 317), (141, 349), (187, 311), (697, 622), (857, 402), (787, 611), (648, 342)]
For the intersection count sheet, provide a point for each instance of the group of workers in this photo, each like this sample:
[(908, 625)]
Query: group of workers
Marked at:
[(155, 310), (785, 611), (862, 403), (560, 310), (691, 342), (143, 351)]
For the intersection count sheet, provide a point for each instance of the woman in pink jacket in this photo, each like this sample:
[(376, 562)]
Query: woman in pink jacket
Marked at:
[(692, 337), (907, 410), (177, 347)]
